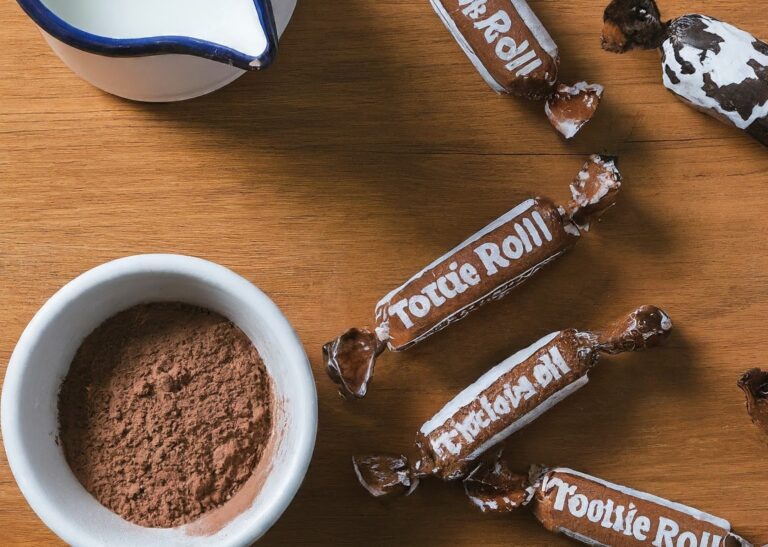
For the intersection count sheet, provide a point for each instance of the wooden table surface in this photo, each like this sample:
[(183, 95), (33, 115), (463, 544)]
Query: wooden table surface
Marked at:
[(369, 149)]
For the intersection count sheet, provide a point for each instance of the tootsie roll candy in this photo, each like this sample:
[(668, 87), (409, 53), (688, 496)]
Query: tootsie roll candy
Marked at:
[(515, 54), (507, 398), (715, 67), (483, 268), (594, 511)]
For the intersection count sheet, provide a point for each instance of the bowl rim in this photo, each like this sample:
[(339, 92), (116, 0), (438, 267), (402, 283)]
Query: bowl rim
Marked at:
[(63, 31), (24, 473)]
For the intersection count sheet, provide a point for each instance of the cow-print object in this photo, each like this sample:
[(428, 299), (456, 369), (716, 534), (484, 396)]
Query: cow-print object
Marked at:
[(719, 69), (714, 66)]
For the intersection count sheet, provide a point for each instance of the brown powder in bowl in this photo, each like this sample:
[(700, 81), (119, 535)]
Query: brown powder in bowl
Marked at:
[(165, 413)]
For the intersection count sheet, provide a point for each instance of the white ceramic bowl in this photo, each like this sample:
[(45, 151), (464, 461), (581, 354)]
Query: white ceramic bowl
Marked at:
[(41, 360)]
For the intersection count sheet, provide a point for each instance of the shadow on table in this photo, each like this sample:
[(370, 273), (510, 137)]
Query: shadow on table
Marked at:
[(354, 96), (341, 80), (336, 82)]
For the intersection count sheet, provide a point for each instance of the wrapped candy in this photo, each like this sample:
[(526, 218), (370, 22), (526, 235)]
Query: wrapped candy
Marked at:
[(485, 267), (515, 55), (594, 511), (507, 398), (709, 64)]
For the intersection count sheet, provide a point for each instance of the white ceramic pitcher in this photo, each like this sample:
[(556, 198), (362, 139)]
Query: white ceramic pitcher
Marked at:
[(162, 50)]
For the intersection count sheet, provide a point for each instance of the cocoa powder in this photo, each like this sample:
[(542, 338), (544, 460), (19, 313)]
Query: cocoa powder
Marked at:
[(165, 412)]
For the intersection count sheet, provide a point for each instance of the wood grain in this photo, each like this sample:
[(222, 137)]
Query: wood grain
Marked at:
[(371, 148)]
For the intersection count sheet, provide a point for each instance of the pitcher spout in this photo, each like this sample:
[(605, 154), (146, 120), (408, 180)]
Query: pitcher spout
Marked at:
[(269, 28), (240, 33)]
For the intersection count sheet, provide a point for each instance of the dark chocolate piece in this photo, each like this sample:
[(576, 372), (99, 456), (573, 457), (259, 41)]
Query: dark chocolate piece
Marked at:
[(507, 398), (483, 268), (712, 65)]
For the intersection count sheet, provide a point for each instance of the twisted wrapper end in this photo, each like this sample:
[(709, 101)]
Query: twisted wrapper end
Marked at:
[(385, 476), (754, 383), (494, 488), (350, 360), (595, 190), (738, 540), (630, 24), (570, 107), (645, 327)]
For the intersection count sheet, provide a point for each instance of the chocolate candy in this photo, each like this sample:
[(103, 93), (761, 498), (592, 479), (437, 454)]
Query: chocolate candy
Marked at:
[(507, 398), (713, 66), (515, 54), (596, 512), (755, 385), (483, 268)]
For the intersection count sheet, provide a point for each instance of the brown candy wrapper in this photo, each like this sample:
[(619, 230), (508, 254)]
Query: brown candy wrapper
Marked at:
[(515, 54), (570, 107), (384, 475), (594, 511), (507, 398), (483, 268), (754, 383), (494, 488)]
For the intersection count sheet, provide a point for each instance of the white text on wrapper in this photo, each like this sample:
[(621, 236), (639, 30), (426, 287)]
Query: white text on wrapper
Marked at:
[(529, 233), (519, 58), (549, 367), (625, 519)]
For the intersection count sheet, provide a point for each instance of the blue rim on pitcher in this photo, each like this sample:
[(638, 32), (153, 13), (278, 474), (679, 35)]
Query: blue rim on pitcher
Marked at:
[(157, 45)]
